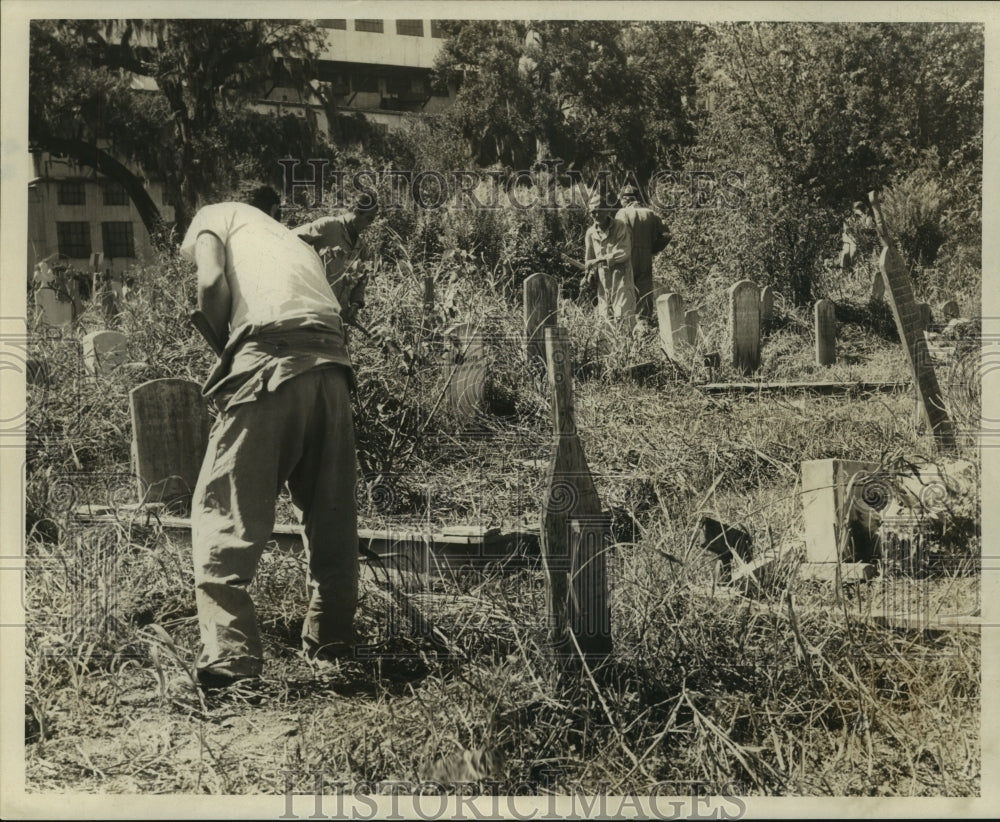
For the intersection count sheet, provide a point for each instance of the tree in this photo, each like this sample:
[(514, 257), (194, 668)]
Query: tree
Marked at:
[(204, 73), (586, 91)]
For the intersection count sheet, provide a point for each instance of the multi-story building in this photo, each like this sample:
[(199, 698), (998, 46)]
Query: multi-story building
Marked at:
[(378, 68)]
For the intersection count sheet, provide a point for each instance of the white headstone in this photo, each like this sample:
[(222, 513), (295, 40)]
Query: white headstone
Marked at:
[(673, 330)]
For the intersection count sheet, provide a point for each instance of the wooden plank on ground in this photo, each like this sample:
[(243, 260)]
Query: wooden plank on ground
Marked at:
[(812, 387), (426, 552)]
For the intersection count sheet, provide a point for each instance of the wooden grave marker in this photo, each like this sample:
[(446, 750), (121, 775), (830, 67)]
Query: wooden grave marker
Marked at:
[(467, 389), (673, 325), (766, 308), (692, 321), (926, 315), (104, 351), (541, 299), (826, 332), (909, 325), (574, 533), (744, 325), (170, 426)]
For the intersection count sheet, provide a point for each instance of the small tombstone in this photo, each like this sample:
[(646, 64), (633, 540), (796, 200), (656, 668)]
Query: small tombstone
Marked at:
[(950, 310), (766, 307), (744, 325), (827, 508), (541, 298), (467, 390), (673, 327), (826, 333), (54, 311), (104, 351), (73, 289), (169, 435), (926, 315), (692, 321)]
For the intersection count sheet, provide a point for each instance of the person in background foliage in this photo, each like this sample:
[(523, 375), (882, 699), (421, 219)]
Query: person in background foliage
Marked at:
[(649, 237), (608, 255), (337, 240), (861, 244)]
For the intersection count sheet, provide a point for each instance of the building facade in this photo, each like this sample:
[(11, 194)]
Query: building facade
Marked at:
[(380, 69)]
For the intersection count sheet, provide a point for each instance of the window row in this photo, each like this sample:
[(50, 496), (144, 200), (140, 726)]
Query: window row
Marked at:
[(117, 239), (413, 28), (74, 192)]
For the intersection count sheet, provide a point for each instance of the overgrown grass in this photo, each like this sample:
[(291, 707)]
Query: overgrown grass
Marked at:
[(787, 690)]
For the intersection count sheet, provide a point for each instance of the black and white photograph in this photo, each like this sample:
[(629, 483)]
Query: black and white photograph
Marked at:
[(498, 410)]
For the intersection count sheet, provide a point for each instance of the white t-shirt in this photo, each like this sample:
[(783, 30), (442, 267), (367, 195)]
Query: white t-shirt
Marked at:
[(273, 275)]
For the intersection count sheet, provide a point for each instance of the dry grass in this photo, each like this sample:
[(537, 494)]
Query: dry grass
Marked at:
[(786, 692)]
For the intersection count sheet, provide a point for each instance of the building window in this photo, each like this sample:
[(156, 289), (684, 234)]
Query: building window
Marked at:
[(114, 193), (365, 82), (118, 240), (332, 24), (72, 192), (368, 25), (437, 29), (414, 28), (74, 239)]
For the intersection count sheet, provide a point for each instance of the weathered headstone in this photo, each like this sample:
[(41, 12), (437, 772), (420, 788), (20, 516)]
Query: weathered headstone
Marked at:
[(570, 495), (744, 325), (926, 316), (467, 390), (541, 298), (826, 332), (169, 435), (54, 311), (827, 508), (766, 308), (692, 321), (104, 351), (950, 310), (909, 325), (673, 328)]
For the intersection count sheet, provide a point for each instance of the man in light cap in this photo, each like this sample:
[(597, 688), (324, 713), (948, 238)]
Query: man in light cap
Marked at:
[(338, 242), (649, 237), (608, 252)]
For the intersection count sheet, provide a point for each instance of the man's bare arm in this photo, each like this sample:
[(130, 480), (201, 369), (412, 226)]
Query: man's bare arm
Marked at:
[(214, 296)]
